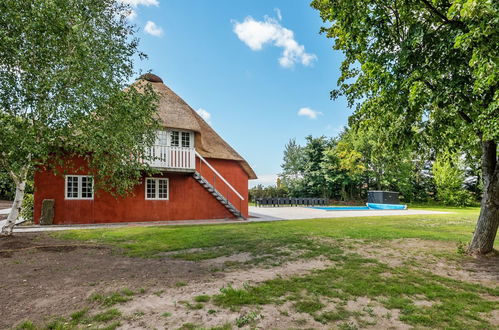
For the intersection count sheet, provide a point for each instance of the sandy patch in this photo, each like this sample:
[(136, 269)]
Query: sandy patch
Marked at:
[(423, 254), (176, 300)]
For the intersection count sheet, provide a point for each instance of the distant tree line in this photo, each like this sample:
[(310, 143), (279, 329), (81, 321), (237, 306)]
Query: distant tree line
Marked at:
[(345, 167)]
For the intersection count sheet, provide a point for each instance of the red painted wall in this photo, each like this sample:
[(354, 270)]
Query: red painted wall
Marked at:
[(234, 174), (188, 200)]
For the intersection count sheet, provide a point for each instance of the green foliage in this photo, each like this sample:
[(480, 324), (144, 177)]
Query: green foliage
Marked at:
[(449, 178), (399, 57), (423, 73), (26, 325), (248, 318), (303, 175), (78, 316), (331, 316), (356, 161), (27, 209), (79, 320), (106, 316), (308, 306), (58, 100), (7, 186), (112, 298), (202, 298), (462, 247), (260, 191)]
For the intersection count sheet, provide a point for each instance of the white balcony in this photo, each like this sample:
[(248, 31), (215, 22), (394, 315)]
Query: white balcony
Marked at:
[(172, 158)]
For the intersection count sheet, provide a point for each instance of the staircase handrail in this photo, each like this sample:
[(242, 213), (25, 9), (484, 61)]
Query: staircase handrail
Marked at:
[(220, 176)]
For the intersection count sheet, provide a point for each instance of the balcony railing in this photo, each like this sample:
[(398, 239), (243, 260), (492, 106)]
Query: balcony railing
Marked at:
[(177, 158)]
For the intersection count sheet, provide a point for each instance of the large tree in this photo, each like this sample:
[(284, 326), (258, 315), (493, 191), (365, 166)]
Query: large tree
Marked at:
[(426, 67), (293, 167), (64, 66)]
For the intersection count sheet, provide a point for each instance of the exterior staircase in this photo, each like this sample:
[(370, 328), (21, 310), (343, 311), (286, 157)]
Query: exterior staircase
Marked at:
[(224, 201)]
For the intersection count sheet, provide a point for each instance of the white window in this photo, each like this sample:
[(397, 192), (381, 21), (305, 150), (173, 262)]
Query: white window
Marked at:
[(174, 138), (157, 188), (79, 187), (182, 139), (186, 139), (161, 138)]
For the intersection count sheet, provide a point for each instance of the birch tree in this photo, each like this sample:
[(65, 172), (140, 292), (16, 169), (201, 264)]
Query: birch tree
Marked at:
[(64, 66)]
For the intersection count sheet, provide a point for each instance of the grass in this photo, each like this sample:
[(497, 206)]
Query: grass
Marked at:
[(457, 304), (246, 319), (323, 294), (108, 320), (112, 298), (202, 298), (264, 238)]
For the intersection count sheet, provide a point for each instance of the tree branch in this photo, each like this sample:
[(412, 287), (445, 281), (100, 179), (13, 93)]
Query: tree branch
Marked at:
[(442, 16), (461, 113), (465, 116)]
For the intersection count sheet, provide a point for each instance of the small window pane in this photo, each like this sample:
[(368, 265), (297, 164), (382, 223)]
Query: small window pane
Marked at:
[(86, 187), (163, 189), (161, 138), (186, 139), (174, 142), (72, 187), (151, 188)]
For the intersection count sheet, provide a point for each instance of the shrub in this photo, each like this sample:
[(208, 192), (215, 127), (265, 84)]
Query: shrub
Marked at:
[(7, 187), (27, 208), (449, 180)]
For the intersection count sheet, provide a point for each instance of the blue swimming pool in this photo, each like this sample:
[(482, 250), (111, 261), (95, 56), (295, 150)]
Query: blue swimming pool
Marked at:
[(341, 208)]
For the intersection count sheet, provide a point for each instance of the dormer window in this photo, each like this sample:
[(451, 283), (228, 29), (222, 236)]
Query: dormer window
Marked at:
[(186, 139), (175, 138), (161, 138)]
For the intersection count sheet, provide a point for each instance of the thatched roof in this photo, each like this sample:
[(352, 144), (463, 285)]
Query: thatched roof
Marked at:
[(173, 112)]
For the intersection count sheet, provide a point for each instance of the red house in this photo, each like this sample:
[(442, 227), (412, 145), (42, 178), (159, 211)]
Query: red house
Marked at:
[(201, 176)]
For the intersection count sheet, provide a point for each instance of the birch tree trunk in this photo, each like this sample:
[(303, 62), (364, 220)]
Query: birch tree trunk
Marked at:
[(488, 221), (20, 182)]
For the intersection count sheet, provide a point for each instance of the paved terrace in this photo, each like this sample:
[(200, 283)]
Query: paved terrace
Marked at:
[(257, 214), (296, 213)]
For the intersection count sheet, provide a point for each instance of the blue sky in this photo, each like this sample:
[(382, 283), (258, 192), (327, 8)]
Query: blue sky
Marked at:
[(252, 66)]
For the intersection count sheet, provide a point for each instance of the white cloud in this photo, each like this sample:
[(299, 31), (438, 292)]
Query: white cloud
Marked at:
[(135, 3), (152, 29), (307, 112), (204, 114), (265, 180), (255, 34)]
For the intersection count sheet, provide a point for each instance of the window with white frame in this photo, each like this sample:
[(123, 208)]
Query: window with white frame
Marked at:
[(161, 138), (186, 139), (79, 187), (157, 188), (174, 138)]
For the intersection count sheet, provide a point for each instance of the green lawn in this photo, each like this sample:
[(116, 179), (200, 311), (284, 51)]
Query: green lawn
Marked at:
[(324, 294), (260, 237)]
